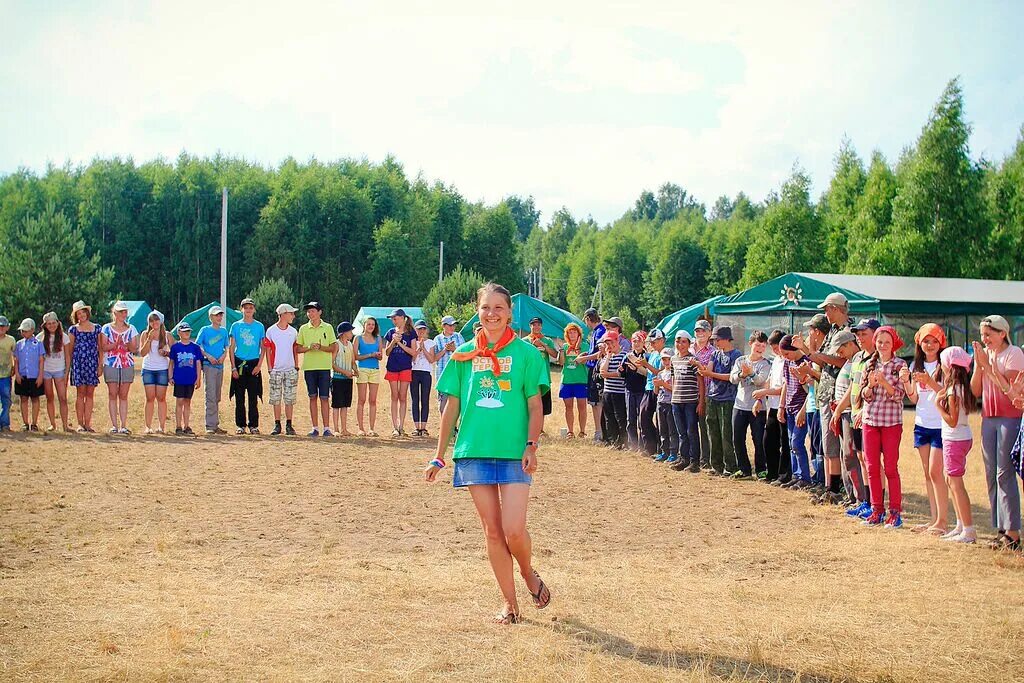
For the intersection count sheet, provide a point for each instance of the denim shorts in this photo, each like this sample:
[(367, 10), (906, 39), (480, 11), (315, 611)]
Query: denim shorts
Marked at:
[(489, 471), (572, 391), (927, 437), (318, 383), (157, 377), (53, 374)]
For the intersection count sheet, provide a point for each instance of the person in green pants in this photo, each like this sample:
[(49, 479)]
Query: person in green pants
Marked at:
[(720, 399)]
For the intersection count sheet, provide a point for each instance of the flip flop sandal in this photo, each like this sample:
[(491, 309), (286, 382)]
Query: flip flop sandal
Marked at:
[(507, 618), (542, 598)]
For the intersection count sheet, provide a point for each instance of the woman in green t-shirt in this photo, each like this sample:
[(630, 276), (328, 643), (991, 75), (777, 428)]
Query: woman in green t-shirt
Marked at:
[(574, 378), (494, 385)]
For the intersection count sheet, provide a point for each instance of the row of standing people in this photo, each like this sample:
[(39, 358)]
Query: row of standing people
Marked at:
[(824, 411)]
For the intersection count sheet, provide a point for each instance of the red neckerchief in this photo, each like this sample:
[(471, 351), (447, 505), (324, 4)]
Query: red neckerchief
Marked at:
[(482, 350), (573, 348), (535, 336)]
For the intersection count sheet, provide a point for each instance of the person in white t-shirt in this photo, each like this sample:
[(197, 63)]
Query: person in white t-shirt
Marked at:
[(283, 361), (422, 376), (923, 381), (776, 436)]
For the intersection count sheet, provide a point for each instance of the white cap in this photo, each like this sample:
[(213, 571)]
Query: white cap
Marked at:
[(27, 325), (285, 308), (214, 310), (683, 334), (119, 306)]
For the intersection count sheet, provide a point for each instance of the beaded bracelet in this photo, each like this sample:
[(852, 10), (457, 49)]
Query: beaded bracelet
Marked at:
[(438, 463)]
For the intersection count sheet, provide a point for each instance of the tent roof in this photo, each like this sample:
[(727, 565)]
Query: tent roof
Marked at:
[(932, 294), (199, 318), (525, 307), (686, 318), (793, 292), (380, 313)]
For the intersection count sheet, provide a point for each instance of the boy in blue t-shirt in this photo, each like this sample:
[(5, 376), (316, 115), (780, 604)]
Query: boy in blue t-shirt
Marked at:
[(213, 341), (186, 360)]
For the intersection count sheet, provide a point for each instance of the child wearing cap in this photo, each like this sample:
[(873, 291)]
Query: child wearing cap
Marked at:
[(55, 369), (444, 346), (317, 342), (6, 370), (669, 436), (119, 342), (422, 377), (155, 343), (369, 351), (344, 373), (793, 411), (721, 399), (954, 403), (749, 374), (611, 370), (245, 353), (213, 341), (186, 359), (282, 358), (398, 347), (776, 438), (548, 351), (86, 363), (841, 423), (28, 373)]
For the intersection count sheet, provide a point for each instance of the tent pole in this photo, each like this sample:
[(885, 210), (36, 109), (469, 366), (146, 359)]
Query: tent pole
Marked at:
[(224, 248)]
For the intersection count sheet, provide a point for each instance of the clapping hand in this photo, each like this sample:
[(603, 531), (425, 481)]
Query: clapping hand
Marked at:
[(980, 356), (904, 374)]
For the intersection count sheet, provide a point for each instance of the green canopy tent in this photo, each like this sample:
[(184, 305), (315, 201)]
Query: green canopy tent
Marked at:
[(524, 308), (380, 313), (138, 314), (686, 318), (200, 318)]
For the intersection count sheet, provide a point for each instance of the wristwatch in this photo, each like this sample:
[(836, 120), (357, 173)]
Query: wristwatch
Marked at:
[(535, 444)]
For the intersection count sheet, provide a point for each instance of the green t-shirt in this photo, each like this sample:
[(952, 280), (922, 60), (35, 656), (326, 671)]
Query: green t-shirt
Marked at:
[(856, 376), (573, 372), (308, 335), (548, 342), (493, 413), (6, 356)]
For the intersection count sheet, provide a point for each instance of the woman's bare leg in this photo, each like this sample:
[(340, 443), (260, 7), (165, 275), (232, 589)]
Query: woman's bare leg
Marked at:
[(487, 501)]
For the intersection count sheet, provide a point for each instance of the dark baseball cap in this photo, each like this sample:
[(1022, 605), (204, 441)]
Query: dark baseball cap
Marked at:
[(722, 332), (313, 304), (536, 319), (866, 324), (344, 327), (397, 311)]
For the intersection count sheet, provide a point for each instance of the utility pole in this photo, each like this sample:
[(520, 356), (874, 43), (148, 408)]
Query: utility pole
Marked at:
[(540, 282), (224, 249), (440, 262)]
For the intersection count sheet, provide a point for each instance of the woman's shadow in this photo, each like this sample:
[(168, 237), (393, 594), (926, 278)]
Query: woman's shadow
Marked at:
[(730, 668)]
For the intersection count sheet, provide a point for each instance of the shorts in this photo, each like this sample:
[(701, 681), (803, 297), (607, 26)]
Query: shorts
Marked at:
[(954, 456), (368, 376), (318, 383), (184, 390), (488, 472), (283, 387), (595, 387), (27, 388), (341, 392), (858, 439), (927, 437), (53, 374), (157, 377), (545, 402), (572, 391), (399, 376), (118, 375)]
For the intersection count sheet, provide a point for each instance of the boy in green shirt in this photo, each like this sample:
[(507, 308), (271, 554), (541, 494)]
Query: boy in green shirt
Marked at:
[(317, 342)]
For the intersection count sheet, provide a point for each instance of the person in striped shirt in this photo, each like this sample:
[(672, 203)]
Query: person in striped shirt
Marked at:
[(614, 389), (444, 346), (688, 395)]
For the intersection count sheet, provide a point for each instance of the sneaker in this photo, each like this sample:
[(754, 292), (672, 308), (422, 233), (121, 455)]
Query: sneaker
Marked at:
[(895, 520), (867, 512), (830, 498), (763, 476), (801, 484), (953, 533), (178, 431), (328, 432), (741, 476), (396, 433), (315, 432), (276, 431), (672, 459), (681, 464), (694, 467), (289, 430), (964, 537), (859, 509), (210, 432), (781, 481), (254, 430), (187, 431), (218, 430), (874, 519), (661, 457), (240, 430)]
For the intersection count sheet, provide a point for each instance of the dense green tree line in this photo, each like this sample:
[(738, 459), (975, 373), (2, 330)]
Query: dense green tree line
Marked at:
[(351, 232)]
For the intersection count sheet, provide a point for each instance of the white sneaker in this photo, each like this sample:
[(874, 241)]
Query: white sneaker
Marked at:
[(964, 537), (951, 535)]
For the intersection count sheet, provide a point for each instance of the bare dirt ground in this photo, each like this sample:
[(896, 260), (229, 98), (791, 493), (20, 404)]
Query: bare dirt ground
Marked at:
[(262, 558)]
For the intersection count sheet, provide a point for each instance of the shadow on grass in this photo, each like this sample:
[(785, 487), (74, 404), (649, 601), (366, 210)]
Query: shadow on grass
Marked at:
[(731, 668), (917, 504)]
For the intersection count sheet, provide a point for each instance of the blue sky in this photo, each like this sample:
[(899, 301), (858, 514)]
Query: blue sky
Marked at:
[(581, 105)]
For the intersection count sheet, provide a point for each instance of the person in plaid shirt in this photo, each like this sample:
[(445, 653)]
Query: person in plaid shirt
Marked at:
[(444, 345), (703, 349), (882, 394)]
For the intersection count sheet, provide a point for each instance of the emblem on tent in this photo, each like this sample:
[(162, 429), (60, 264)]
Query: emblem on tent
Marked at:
[(792, 295)]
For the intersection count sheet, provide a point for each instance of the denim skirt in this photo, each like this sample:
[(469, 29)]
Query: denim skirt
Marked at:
[(489, 471)]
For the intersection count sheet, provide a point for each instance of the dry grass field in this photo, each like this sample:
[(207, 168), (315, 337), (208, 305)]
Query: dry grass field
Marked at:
[(262, 558)]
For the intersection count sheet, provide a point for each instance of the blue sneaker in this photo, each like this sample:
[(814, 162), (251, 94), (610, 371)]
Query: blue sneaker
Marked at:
[(866, 513), (661, 457), (313, 432), (328, 432), (673, 458), (859, 510), (895, 520)]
